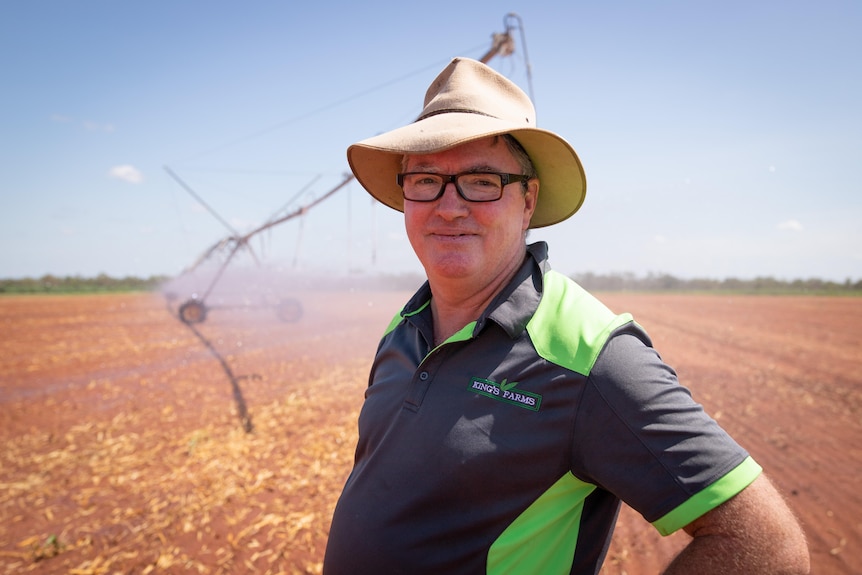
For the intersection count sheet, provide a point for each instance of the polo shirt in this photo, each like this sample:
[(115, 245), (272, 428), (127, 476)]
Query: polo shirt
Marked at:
[(507, 448)]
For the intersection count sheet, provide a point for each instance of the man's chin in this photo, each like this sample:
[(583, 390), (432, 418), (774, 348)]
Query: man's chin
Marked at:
[(450, 267)]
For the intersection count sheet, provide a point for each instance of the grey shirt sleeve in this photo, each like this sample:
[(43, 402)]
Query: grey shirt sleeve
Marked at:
[(640, 435)]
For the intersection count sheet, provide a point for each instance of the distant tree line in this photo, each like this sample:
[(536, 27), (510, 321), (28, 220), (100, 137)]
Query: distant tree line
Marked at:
[(652, 282), (77, 284), (667, 282)]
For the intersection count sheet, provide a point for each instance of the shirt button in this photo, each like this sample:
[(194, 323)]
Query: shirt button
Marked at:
[(423, 376)]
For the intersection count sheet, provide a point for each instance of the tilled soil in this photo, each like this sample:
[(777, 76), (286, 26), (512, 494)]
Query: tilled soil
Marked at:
[(134, 443)]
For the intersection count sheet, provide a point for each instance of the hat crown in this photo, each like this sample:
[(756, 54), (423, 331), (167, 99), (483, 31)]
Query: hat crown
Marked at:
[(468, 86)]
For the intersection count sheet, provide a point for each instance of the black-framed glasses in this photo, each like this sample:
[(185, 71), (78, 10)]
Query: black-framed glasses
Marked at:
[(472, 186)]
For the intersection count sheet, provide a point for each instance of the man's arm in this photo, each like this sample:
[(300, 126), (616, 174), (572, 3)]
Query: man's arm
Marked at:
[(754, 532)]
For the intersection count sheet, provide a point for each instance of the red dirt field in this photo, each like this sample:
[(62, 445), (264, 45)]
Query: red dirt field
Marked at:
[(124, 449)]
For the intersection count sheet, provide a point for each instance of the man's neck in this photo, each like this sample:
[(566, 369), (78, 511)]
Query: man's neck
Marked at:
[(455, 302)]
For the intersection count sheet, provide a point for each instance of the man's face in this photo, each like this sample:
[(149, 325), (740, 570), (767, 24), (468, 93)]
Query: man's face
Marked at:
[(475, 241)]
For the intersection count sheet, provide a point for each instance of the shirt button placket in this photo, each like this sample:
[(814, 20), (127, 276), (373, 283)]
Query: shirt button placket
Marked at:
[(418, 388)]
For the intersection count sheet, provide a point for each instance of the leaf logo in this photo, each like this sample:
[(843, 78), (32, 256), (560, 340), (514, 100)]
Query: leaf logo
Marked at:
[(505, 385)]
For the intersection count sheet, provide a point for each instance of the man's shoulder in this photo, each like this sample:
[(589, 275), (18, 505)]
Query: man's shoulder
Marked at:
[(571, 326)]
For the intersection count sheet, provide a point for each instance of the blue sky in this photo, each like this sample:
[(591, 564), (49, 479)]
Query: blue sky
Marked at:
[(720, 139)]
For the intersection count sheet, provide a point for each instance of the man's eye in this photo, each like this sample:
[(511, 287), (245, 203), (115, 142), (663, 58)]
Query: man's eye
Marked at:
[(427, 181), (482, 180)]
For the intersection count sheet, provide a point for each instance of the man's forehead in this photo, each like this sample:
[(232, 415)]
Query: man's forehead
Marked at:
[(485, 154)]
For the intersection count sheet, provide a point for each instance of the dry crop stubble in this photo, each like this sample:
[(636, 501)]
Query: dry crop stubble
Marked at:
[(123, 451)]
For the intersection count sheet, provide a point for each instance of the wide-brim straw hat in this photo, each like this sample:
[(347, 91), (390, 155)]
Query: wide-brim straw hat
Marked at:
[(469, 101)]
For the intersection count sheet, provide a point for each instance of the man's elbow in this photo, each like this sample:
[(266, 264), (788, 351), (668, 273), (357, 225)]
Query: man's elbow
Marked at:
[(793, 557), (791, 553)]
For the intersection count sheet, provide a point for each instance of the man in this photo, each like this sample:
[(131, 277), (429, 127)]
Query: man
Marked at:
[(508, 412)]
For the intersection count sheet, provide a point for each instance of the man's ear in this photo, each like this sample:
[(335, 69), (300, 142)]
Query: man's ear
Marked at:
[(531, 196)]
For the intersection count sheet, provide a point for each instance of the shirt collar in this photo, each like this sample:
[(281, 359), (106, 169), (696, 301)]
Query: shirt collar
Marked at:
[(517, 302), (514, 305)]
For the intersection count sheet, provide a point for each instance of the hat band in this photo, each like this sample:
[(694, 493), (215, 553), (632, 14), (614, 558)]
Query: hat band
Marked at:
[(454, 111)]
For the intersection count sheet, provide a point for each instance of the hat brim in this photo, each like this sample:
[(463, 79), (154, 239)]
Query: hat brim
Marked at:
[(376, 160)]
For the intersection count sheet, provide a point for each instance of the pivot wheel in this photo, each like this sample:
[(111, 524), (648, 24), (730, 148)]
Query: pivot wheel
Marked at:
[(289, 310), (193, 311)]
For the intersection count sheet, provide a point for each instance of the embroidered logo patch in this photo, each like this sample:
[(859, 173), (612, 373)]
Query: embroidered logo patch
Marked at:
[(505, 391)]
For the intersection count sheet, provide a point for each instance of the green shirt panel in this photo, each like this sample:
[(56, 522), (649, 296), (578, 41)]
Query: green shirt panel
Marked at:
[(544, 537), (558, 342)]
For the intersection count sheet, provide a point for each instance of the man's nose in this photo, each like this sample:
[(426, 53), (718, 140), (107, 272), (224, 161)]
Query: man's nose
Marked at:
[(451, 201)]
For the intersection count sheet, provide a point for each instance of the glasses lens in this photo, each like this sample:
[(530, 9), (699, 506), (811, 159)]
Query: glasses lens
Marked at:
[(481, 187), (422, 187)]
